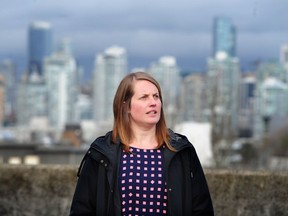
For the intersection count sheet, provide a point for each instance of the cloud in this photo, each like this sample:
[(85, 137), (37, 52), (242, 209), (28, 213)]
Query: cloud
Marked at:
[(251, 44), (147, 28)]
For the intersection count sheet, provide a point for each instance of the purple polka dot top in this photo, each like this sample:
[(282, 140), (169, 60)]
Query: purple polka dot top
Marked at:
[(141, 182)]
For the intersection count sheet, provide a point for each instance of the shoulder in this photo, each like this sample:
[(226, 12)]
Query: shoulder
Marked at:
[(179, 141), (104, 145), (103, 140)]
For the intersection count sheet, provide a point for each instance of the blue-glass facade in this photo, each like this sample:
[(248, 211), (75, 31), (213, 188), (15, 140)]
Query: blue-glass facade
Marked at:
[(40, 45), (224, 36)]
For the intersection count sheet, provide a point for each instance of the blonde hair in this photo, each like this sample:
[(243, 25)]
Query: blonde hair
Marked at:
[(122, 128)]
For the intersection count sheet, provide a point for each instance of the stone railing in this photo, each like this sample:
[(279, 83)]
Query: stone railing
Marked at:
[(48, 190)]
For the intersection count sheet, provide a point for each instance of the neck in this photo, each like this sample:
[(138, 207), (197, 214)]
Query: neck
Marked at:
[(145, 139)]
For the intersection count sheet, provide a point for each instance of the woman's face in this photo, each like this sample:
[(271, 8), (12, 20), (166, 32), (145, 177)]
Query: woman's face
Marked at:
[(145, 107)]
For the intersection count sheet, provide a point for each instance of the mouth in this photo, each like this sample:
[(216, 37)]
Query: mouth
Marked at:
[(152, 112)]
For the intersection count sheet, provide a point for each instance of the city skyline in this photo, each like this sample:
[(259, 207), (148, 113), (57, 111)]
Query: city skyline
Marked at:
[(147, 30)]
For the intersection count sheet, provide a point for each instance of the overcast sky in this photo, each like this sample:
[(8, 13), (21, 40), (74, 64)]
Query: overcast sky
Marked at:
[(147, 29)]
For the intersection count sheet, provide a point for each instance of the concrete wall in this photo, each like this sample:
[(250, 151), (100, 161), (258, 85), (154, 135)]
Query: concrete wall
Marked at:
[(245, 193), (47, 190), (36, 190)]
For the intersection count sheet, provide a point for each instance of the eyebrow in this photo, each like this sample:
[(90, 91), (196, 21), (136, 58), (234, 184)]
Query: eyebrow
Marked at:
[(156, 93)]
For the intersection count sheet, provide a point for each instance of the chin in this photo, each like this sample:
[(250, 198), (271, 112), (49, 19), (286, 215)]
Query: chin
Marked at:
[(153, 122)]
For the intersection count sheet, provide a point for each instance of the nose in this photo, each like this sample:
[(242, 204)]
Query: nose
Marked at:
[(152, 101)]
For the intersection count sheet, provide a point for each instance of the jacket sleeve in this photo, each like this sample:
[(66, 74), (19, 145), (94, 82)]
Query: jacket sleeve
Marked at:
[(201, 199), (83, 202)]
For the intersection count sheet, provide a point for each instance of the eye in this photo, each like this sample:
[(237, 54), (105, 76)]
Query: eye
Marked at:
[(156, 96), (143, 97)]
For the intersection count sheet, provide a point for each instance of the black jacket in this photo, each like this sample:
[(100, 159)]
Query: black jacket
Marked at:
[(97, 191)]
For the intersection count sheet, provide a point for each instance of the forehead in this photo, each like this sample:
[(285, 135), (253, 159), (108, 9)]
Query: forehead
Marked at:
[(144, 87)]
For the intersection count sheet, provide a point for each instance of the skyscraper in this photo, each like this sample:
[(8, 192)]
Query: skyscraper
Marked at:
[(224, 36), (167, 73), (2, 99), (270, 96), (8, 71), (39, 45), (246, 104), (110, 68), (31, 99), (61, 79), (192, 97), (271, 106), (284, 54), (284, 59), (223, 92)]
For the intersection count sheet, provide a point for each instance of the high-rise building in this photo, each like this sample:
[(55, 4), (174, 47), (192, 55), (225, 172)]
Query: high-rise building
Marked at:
[(31, 98), (84, 107), (270, 68), (224, 36), (8, 71), (270, 96), (284, 59), (271, 106), (167, 73), (110, 68), (2, 99), (284, 54), (193, 97), (246, 104), (39, 45), (247, 91), (61, 79), (223, 87)]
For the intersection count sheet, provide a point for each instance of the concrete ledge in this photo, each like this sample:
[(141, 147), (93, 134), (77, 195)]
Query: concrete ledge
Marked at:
[(48, 189), (247, 193), (36, 190)]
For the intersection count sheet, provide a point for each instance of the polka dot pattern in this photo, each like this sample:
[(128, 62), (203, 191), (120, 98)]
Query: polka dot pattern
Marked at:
[(142, 184)]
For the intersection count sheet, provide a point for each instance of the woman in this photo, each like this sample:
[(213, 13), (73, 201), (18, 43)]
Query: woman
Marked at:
[(141, 167)]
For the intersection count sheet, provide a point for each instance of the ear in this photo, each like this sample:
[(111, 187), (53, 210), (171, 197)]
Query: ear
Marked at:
[(125, 107)]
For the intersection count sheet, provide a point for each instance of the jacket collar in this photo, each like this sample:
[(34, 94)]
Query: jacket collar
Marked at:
[(178, 141), (105, 145)]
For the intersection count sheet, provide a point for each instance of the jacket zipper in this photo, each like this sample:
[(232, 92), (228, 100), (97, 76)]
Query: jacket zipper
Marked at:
[(113, 180), (169, 189)]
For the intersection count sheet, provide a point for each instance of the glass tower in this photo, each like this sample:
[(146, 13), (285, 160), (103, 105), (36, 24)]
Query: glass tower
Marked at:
[(110, 68), (62, 84), (8, 71), (167, 73), (31, 99), (224, 36), (40, 45), (223, 92)]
